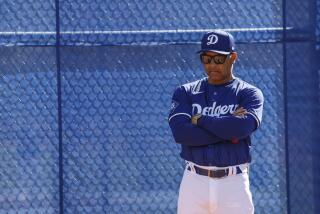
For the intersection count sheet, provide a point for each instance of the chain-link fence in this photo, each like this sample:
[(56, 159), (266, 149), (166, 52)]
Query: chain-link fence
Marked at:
[(84, 116)]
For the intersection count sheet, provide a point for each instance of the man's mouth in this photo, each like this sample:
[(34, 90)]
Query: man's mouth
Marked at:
[(214, 72)]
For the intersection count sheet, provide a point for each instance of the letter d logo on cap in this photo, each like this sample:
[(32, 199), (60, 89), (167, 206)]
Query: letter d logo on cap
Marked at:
[(212, 39)]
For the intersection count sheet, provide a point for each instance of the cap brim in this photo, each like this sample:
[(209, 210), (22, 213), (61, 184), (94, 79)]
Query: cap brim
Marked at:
[(220, 52)]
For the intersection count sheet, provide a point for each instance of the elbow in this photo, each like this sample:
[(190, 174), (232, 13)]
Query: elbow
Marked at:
[(243, 132), (178, 139), (177, 133), (244, 128)]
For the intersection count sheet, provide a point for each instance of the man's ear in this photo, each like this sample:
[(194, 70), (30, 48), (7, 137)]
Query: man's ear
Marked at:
[(229, 61), (234, 57)]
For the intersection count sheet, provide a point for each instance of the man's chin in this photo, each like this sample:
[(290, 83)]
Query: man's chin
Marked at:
[(213, 80)]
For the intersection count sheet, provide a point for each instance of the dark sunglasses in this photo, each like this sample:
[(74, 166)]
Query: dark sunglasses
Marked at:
[(217, 59)]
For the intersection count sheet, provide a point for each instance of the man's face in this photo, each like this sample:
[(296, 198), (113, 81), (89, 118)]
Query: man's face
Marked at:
[(218, 73)]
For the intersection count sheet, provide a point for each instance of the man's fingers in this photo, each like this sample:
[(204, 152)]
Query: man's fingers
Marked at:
[(240, 111), (242, 114)]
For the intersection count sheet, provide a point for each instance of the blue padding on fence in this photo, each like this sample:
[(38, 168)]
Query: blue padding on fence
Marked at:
[(119, 153), (302, 129), (27, 22), (119, 63), (28, 131)]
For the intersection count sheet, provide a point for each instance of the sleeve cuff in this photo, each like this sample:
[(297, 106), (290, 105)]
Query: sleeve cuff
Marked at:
[(185, 114)]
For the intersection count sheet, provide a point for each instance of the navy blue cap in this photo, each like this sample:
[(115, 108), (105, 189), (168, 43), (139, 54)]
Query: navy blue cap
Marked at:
[(217, 41)]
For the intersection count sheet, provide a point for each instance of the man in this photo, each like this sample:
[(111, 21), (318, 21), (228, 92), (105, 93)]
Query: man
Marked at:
[(213, 118)]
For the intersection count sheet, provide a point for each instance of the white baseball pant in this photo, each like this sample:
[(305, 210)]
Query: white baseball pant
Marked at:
[(200, 194)]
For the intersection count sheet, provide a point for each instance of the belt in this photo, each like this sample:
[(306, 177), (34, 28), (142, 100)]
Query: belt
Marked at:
[(220, 173)]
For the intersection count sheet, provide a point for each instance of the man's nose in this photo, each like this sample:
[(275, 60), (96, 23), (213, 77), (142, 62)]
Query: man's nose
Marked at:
[(212, 64)]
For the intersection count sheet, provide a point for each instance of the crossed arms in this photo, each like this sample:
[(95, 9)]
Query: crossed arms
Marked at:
[(199, 130)]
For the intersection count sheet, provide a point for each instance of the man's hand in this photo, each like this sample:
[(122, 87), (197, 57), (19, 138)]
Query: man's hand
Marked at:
[(194, 119), (240, 112)]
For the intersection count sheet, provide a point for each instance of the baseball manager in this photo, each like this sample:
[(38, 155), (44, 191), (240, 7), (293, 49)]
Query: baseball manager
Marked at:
[(212, 119)]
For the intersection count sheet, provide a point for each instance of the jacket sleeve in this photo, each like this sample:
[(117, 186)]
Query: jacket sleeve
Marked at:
[(235, 127), (180, 122)]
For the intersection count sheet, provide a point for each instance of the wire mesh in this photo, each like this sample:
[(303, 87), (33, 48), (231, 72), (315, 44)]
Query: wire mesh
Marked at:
[(118, 153)]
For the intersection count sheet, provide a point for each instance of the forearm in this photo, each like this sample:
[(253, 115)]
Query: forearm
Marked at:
[(188, 134), (228, 127)]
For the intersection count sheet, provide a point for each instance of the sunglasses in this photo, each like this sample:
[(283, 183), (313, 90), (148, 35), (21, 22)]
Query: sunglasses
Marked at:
[(217, 59)]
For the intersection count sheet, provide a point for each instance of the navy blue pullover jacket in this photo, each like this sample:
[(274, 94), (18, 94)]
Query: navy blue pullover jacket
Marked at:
[(219, 139)]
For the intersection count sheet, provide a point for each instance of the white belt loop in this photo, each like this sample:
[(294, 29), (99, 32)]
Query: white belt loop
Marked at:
[(191, 165), (244, 168), (187, 165), (234, 170), (230, 171)]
